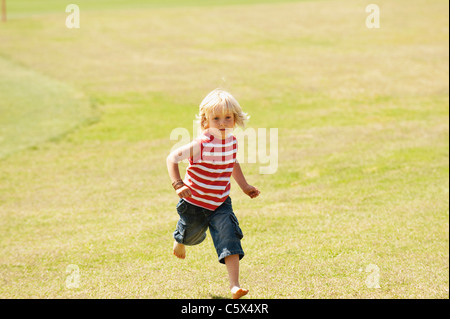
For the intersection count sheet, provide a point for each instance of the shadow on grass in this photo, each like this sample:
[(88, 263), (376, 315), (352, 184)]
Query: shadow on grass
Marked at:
[(218, 297)]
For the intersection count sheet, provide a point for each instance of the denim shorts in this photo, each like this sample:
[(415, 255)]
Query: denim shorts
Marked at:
[(222, 223)]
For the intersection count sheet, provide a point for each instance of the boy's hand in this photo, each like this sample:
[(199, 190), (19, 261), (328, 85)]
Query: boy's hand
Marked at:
[(251, 191), (183, 192)]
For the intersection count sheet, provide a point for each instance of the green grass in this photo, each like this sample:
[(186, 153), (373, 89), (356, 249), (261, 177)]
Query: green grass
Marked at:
[(23, 8), (363, 147), (36, 108)]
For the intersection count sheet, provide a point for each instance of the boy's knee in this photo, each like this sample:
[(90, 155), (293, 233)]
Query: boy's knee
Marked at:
[(195, 239)]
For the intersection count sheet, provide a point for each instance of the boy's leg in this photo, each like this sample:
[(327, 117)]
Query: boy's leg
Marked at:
[(191, 228), (225, 232), (232, 263), (227, 235)]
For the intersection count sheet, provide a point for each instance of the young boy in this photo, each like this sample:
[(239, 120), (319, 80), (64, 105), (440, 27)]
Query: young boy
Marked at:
[(204, 192)]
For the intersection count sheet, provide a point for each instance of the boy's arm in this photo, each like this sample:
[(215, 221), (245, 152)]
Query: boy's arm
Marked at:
[(239, 176), (242, 182), (189, 150)]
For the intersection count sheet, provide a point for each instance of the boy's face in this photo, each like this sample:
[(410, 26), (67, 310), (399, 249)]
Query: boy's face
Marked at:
[(221, 124)]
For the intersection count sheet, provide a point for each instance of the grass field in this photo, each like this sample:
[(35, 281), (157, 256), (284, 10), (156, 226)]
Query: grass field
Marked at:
[(362, 115)]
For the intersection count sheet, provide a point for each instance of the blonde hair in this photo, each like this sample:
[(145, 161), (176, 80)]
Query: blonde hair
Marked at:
[(220, 101)]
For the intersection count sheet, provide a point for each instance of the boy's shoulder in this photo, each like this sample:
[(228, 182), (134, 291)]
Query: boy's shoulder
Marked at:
[(204, 138)]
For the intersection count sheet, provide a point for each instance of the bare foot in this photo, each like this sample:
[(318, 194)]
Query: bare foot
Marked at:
[(179, 250), (238, 292)]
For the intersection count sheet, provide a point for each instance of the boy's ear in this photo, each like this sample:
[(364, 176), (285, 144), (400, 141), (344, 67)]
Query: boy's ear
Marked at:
[(204, 123)]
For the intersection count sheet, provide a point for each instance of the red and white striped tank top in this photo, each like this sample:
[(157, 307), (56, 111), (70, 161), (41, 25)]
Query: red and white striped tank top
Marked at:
[(208, 174)]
